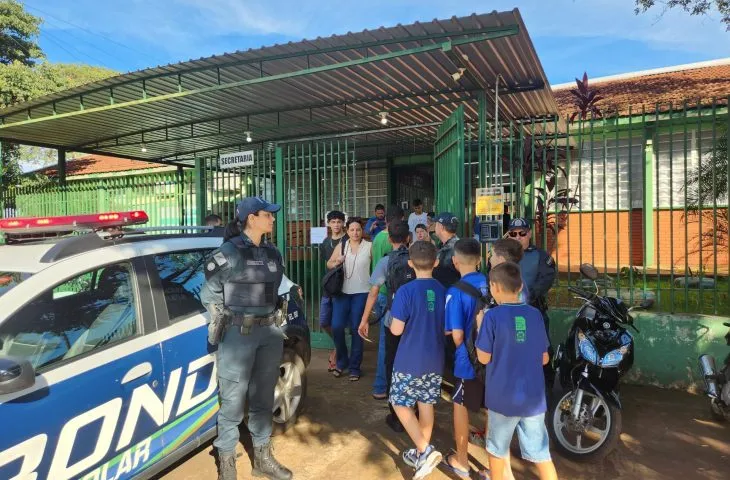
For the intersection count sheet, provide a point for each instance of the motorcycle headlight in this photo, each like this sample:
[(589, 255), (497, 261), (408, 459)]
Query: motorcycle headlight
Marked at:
[(586, 348), (614, 357)]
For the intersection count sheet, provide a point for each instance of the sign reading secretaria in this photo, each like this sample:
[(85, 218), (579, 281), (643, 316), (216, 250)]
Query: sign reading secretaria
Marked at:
[(236, 159)]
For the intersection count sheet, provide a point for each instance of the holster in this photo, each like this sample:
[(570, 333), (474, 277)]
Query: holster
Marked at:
[(220, 318)]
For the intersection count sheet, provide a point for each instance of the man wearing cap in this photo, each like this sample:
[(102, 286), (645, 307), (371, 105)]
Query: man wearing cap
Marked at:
[(241, 294), (445, 272), (538, 274)]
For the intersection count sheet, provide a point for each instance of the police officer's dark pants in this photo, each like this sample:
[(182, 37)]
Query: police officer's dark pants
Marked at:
[(248, 365)]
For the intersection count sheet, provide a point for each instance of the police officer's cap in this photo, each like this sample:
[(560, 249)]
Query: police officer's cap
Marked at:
[(447, 219), (519, 224), (253, 205)]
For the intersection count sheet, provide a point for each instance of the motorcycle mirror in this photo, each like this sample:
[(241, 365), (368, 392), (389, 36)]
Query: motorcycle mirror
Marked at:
[(589, 271)]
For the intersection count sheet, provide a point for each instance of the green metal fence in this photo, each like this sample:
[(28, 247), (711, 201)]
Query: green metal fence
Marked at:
[(167, 197), (642, 195)]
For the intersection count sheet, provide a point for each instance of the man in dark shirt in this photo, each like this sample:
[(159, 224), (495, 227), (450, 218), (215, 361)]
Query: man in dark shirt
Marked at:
[(336, 224), (445, 272)]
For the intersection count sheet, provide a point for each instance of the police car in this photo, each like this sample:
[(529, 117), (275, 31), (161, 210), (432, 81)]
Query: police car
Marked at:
[(105, 368)]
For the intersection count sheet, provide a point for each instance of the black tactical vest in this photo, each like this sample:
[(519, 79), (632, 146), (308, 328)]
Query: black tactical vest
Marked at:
[(254, 285)]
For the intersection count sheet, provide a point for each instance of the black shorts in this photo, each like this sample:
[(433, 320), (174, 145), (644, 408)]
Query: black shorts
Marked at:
[(469, 393)]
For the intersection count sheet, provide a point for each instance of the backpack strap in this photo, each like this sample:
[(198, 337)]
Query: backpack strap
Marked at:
[(469, 289)]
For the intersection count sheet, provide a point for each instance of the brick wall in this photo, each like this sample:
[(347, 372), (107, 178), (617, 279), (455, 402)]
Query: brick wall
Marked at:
[(616, 239)]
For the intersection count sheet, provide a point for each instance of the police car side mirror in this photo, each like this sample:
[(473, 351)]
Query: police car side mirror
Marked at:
[(15, 375)]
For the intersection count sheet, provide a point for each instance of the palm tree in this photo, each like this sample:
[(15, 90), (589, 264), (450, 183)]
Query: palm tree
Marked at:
[(707, 187)]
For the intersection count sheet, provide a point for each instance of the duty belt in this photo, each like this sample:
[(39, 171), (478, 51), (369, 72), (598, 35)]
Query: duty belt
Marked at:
[(244, 320)]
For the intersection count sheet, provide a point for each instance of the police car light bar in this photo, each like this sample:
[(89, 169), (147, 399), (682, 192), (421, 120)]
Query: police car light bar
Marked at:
[(95, 221)]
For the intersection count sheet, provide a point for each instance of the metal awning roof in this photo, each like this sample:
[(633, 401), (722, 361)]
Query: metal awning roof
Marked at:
[(305, 90)]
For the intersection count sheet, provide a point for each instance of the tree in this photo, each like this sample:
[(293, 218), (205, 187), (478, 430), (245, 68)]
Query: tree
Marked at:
[(706, 188), (693, 7), (24, 75), (18, 33)]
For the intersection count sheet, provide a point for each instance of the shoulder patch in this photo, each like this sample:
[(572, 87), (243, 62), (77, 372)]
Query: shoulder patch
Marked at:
[(220, 259), (549, 261), (215, 264)]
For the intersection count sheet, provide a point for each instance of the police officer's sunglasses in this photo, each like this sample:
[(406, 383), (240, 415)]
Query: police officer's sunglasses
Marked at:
[(514, 234)]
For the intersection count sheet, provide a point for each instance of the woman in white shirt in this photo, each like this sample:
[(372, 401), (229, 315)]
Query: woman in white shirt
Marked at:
[(347, 308)]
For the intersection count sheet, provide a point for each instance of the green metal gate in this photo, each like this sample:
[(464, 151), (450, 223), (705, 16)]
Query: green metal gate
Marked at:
[(449, 167), (317, 177)]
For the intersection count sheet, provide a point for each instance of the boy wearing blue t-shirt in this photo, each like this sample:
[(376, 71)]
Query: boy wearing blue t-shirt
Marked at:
[(461, 311), (418, 318), (512, 342)]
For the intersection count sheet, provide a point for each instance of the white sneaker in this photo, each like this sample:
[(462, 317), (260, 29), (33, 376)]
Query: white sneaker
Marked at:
[(427, 461)]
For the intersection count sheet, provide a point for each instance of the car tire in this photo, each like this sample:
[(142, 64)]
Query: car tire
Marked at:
[(291, 391)]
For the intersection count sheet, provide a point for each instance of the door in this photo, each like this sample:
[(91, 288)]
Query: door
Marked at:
[(449, 167), (95, 407), (188, 359)]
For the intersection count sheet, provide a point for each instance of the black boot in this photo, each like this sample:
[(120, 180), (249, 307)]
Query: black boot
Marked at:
[(227, 467), (265, 465)]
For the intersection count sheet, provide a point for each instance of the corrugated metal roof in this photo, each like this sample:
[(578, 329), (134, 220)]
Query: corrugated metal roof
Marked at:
[(416, 89)]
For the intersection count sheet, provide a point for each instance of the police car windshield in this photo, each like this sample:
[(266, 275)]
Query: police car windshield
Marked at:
[(8, 280)]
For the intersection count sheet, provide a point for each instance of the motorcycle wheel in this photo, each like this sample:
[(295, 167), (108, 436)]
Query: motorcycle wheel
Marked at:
[(716, 413), (594, 436)]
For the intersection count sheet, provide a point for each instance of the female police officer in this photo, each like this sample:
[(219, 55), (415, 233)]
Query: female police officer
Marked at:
[(242, 282)]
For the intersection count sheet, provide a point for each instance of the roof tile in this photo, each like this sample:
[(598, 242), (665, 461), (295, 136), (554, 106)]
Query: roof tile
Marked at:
[(646, 91), (95, 164)]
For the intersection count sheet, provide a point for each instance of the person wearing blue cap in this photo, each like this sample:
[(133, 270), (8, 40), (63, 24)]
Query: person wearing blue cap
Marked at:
[(242, 281), (445, 272)]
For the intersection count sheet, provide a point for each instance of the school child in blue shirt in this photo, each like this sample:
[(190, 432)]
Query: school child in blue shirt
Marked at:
[(461, 312), (418, 318), (512, 342)]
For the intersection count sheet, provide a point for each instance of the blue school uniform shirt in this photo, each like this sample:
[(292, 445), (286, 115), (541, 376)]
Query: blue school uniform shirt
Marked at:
[(420, 305), (460, 313), (515, 336)]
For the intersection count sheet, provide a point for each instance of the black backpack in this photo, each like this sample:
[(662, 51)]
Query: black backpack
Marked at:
[(483, 301), (399, 272)]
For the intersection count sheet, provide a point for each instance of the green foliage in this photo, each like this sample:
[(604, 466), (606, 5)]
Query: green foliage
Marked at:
[(18, 33), (693, 7)]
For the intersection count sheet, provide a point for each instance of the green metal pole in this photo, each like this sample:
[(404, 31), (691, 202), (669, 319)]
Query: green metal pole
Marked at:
[(648, 207), (200, 191), (282, 220)]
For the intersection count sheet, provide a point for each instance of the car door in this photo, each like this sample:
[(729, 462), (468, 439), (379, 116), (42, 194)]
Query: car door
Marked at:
[(188, 359), (97, 404)]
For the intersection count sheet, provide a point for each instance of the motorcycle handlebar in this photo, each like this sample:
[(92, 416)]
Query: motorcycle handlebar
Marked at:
[(582, 293)]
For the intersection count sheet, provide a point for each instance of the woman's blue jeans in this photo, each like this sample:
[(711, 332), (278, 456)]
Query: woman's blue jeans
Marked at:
[(380, 385), (347, 312)]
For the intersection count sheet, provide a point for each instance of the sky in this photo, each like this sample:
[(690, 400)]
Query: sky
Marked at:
[(601, 37)]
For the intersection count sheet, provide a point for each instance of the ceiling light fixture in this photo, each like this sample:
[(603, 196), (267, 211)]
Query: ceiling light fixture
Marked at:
[(248, 137), (457, 76), (383, 118), (144, 148)]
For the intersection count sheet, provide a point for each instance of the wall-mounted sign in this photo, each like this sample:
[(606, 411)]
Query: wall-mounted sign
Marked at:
[(236, 160), (490, 201)]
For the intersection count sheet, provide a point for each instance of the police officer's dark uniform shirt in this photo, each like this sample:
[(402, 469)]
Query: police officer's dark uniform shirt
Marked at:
[(445, 272), (538, 272), (227, 261)]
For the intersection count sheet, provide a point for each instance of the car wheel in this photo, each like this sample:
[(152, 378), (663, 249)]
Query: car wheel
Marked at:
[(290, 392)]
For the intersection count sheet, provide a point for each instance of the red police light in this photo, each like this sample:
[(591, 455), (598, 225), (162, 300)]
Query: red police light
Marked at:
[(73, 222)]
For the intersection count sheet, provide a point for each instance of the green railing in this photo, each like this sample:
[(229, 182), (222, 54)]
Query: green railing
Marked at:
[(168, 198), (641, 195)]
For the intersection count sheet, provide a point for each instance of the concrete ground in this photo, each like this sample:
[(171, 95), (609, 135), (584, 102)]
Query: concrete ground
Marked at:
[(342, 435)]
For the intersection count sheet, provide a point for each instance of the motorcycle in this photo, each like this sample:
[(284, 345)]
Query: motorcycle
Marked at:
[(585, 423), (717, 385)]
